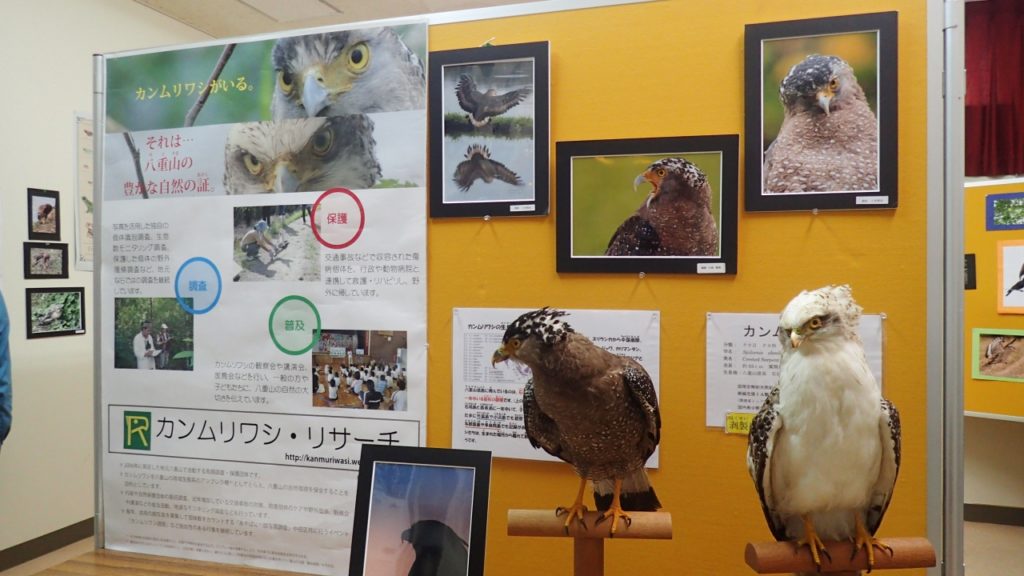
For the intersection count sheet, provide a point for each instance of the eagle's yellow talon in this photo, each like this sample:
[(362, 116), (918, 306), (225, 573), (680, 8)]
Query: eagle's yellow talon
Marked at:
[(812, 541), (576, 510), (868, 542)]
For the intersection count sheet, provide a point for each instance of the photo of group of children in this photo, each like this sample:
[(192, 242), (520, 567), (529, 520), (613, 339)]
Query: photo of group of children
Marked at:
[(362, 369)]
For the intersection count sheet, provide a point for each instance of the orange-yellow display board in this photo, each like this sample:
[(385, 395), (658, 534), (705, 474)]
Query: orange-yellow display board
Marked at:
[(999, 363), (675, 68)]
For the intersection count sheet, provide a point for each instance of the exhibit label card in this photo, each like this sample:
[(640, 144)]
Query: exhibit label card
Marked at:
[(743, 352), (487, 401)]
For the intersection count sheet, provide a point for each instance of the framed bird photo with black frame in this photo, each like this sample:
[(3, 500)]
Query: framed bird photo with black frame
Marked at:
[(663, 205), (821, 125), (420, 511), (54, 312), (45, 260), (43, 215), (489, 149)]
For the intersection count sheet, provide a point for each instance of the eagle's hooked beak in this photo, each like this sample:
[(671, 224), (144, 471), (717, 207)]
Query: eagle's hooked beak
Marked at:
[(796, 338), (314, 96), (500, 355), (825, 98), (283, 178), (648, 176)]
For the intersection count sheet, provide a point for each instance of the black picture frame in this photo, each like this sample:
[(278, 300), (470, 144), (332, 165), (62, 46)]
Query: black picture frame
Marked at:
[(403, 494), (54, 312), (43, 214), (597, 191), (490, 165), (772, 50), (45, 260)]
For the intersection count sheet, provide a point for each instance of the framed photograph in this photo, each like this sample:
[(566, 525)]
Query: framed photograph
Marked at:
[(997, 354), (1010, 279), (43, 214), (488, 112), (54, 312), (665, 205), (420, 511), (821, 113), (1004, 211), (44, 260)]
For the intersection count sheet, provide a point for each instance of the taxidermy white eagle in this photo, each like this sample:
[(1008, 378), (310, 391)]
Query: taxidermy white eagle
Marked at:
[(824, 450)]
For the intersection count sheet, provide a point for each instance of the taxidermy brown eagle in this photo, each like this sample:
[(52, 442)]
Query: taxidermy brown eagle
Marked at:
[(482, 106), (593, 409), (478, 165), (824, 450), (675, 220)]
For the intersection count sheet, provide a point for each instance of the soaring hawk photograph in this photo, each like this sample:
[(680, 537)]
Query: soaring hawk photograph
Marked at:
[(478, 165), (675, 218), (828, 141), (347, 72), (824, 450), (596, 410), (481, 106)]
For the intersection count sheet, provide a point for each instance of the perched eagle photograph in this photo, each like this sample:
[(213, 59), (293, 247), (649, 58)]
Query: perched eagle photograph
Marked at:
[(1010, 267), (824, 449), (820, 123), (646, 205), (593, 409)]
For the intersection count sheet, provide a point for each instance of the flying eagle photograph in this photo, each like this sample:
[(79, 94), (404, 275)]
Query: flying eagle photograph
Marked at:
[(820, 124)]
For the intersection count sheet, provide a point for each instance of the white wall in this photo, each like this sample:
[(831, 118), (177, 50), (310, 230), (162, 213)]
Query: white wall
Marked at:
[(993, 462), (46, 466)]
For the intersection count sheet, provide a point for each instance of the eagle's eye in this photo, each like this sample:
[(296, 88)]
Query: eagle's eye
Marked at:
[(286, 81), (660, 172), (359, 57), (323, 141), (514, 343), (815, 323), (252, 163), (833, 83)]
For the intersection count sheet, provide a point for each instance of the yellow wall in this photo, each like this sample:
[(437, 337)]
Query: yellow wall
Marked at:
[(990, 396), (668, 69)]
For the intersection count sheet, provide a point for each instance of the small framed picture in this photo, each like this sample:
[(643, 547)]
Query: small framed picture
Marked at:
[(44, 260), (1004, 211), (54, 312), (420, 511), (43, 214), (664, 205), (488, 112), (1010, 279), (997, 354), (821, 124)]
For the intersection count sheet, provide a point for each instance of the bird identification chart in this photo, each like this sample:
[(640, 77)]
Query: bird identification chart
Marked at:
[(262, 252), (743, 353), (487, 398)]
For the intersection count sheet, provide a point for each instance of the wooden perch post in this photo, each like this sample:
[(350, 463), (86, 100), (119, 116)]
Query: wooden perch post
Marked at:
[(588, 543), (780, 557)]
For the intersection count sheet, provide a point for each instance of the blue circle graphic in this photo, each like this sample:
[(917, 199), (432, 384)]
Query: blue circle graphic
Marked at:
[(193, 280)]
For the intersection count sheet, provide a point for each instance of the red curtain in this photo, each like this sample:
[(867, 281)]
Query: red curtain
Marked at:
[(994, 115)]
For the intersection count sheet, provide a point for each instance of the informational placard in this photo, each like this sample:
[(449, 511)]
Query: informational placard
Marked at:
[(487, 400), (743, 352), (263, 285)]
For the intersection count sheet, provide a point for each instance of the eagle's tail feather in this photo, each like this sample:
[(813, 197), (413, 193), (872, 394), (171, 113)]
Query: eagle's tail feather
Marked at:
[(637, 493)]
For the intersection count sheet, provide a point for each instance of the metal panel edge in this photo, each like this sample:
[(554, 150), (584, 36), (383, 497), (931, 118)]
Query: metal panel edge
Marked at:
[(99, 129)]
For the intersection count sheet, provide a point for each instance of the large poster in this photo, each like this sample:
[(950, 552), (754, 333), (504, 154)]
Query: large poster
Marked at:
[(263, 299)]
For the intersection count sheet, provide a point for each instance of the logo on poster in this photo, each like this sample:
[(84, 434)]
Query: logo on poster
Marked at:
[(137, 430)]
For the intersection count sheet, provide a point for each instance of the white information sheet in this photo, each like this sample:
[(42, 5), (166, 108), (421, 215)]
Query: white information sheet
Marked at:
[(743, 354), (487, 401)]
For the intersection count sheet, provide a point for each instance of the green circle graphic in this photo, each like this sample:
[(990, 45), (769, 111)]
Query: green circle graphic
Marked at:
[(300, 307)]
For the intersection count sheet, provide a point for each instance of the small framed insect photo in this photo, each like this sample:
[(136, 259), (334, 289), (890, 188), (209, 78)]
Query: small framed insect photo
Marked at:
[(43, 215), (54, 312), (420, 511), (665, 205), (45, 260), (489, 131), (821, 125)]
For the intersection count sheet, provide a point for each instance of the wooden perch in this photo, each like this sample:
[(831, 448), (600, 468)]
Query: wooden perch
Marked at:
[(780, 557), (588, 542), (650, 525)]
